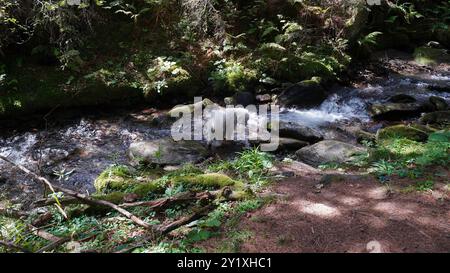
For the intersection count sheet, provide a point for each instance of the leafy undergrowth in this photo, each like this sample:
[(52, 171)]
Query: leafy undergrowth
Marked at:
[(96, 229), (397, 157)]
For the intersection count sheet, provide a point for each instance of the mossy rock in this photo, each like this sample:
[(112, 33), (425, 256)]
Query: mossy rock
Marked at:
[(166, 151), (239, 195), (209, 180), (439, 118), (305, 94), (121, 178), (439, 104), (114, 178), (402, 131), (431, 56), (362, 136), (425, 128), (394, 111), (143, 189), (113, 197)]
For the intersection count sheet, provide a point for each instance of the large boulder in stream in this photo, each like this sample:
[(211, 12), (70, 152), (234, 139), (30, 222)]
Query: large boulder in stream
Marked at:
[(167, 152), (304, 94), (328, 151), (435, 103), (394, 111), (402, 98), (438, 103), (403, 131), (291, 144), (244, 98), (298, 131), (441, 118)]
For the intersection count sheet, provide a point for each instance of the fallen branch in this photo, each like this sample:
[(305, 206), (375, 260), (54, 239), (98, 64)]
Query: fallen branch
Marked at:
[(84, 198), (54, 245), (50, 201), (169, 201), (171, 227), (43, 234), (182, 197), (185, 220)]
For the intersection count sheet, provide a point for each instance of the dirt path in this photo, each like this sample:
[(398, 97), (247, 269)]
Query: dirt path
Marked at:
[(353, 213)]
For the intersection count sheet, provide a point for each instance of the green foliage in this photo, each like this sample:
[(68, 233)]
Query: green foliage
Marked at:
[(231, 76), (369, 40), (113, 178), (406, 11), (251, 164), (405, 157), (424, 185), (15, 231), (166, 74)]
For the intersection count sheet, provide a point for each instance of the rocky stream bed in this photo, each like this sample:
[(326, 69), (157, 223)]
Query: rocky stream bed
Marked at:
[(73, 148)]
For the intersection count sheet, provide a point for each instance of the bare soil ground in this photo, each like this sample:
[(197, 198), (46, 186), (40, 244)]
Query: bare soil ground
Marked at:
[(353, 214)]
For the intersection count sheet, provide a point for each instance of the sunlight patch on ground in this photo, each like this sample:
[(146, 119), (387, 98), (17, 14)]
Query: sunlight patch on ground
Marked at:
[(433, 221), (317, 209), (390, 208), (348, 200), (377, 193), (376, 222)]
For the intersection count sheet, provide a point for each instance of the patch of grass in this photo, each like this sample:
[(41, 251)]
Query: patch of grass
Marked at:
[(424, 185), (407, 158), (251, 164), (284, 239), (15, 231), (421, 186), (330, 166), (234, 241)]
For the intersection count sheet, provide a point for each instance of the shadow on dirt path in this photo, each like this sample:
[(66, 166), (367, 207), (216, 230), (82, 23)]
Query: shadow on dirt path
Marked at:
[(352, 213)]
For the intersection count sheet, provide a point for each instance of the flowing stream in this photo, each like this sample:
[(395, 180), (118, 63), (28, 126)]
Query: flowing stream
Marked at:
[(78, 149)]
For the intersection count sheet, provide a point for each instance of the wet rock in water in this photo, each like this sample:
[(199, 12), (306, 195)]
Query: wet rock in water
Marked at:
[(441, 118), (328, 151), (291, 144), (439, 88), (244, 98), (50, 156), (438, 103), (394, 111), (303, 94), (229, 101), (295, 130), (264, 98), (168, 152), (189, 108), (402, 98), (403, 131), (160, 119), (434, 44)]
